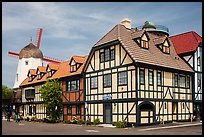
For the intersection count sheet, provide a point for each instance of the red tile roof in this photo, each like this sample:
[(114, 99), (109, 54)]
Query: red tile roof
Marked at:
[(63, 70), (186, 42), (41, 69), (32, 71)]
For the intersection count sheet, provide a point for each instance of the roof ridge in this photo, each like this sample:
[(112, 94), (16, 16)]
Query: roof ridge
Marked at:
[(194, 33), (182, 33), (106, 34)]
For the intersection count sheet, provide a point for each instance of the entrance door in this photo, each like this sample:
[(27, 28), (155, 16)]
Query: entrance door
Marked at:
[(146, 113), (107, 113), (175, 111)]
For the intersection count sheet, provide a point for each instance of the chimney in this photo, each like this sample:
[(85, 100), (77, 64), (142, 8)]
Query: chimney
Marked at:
[(127, 23)]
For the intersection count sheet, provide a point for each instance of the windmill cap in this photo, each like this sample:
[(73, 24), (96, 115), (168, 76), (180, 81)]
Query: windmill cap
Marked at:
[(30, 51)]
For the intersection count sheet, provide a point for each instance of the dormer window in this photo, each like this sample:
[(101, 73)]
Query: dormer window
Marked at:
[(165, 49), (73, 68), (30, 78), (163, 44), (49, 72), (144, 44), (142, 39)]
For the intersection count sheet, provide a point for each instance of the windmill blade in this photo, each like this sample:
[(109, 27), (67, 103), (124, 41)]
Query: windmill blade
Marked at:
[(52, 60), (13, 54), (45, 58), (38, 38)]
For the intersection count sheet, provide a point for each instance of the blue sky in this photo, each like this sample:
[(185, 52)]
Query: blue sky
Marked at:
[(72, 28)]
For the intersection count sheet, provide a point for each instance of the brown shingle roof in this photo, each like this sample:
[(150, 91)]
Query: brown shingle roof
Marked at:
[(151, 56), (62, 71)]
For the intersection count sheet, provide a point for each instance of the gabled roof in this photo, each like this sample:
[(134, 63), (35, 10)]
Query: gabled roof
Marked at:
[(159, 40), (41, 69), (53, 66), (78, 59), (186, 42), (152, 56), (62, 71), (32, 71), (138, 34)]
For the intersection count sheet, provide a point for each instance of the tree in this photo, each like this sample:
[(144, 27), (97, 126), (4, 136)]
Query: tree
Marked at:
[(51, 94), (7, 94)]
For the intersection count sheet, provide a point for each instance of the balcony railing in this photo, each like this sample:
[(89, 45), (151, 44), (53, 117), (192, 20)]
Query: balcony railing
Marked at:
[(158, 28)]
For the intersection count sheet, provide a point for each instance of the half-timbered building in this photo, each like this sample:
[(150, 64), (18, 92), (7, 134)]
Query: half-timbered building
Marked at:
[(189, 47), (72, 88), (135, 75)]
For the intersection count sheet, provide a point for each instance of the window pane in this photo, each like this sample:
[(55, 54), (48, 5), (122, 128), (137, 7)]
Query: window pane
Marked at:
[(68, 86), (182, 81), (102, 57), (73, 85), (144, 44), (94, 82), (78, 110), (150, 78), (122, 78), (158, 78), (107, 80), (112, 54), (69, 110), (188, 82), (141, 76), (176, 80), (107, 54)]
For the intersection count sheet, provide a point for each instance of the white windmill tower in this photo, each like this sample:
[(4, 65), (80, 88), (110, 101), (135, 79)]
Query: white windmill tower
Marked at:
[(30, 57)]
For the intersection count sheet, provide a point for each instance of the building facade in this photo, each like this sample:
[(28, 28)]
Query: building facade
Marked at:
[(136, 75), (72, 88), (189, 47)]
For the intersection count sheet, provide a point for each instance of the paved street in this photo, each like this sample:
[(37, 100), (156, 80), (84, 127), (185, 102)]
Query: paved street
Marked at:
[(35, 128)]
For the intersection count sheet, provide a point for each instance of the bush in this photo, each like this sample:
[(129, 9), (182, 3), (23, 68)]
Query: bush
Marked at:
[(33, 118), (80, 122), (45, 120), (67, 122), (74, 120), (121, 124), (96, 121)]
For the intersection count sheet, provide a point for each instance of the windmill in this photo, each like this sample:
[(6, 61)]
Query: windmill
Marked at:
[(30, 57), (38, 40)]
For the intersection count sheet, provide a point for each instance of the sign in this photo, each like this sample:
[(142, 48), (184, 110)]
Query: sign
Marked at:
[(107, 97)]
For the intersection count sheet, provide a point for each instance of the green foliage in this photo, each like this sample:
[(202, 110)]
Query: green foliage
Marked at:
[(67, 122), (74, 120), (33, 118), (7, 93), (80, 122), (96, 121), (51, 94), (121, 124)]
